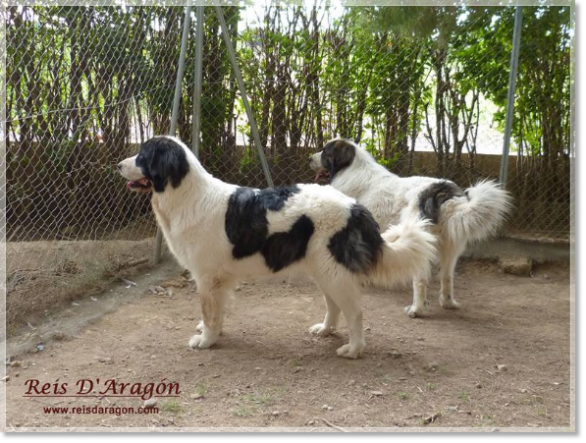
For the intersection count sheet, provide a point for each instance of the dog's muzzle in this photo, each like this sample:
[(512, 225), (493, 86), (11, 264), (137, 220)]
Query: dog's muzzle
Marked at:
[(322, 175), (136, 181)]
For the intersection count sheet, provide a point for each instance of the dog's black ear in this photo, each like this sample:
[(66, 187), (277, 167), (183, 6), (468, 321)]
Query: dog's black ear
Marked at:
[(158, 170), (164, 162), (337, 155)]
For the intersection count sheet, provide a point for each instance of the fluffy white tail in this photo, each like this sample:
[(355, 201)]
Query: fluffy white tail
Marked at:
[(408, 252), (476, 216)]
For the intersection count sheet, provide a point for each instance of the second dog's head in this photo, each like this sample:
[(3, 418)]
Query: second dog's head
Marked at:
[(161, 161), (336, 155)]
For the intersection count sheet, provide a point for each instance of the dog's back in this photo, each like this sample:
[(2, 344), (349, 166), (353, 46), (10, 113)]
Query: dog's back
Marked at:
[(463, 215), (391, 198)]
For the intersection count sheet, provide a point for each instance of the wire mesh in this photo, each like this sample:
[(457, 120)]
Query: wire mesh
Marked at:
[(424, 89)]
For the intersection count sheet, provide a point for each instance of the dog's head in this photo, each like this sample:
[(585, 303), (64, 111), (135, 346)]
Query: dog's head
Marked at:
[(161, 161), (336, 155)]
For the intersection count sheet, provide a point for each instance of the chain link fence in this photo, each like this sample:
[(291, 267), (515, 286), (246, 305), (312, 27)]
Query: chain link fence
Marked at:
[(423, 88)]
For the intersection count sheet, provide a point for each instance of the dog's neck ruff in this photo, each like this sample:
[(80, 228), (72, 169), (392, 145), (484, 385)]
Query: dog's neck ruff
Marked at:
[(360, 176)]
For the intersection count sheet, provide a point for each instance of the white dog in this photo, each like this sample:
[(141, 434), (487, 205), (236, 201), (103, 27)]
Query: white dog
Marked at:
[(222, 233), (457, 217)]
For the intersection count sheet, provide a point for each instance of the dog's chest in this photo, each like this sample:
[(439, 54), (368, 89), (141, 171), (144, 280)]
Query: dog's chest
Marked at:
[(193, 232)]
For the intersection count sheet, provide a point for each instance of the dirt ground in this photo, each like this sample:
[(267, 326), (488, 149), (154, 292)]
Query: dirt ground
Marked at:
[(44, 274), (268, 371)]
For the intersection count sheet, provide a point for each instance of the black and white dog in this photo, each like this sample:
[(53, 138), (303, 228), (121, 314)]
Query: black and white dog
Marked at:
[(458, 217), (222, 233)]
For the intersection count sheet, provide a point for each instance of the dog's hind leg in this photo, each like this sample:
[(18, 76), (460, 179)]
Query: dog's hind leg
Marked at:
[(449, 254), (213, 300), (345, 294), (419, 298), (199, 327), (331, 320)]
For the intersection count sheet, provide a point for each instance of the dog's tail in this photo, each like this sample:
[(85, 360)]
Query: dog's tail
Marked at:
[(477, 214), (407, 253)]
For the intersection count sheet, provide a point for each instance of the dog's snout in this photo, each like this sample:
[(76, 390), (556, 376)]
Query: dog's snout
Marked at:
[(120, 166)]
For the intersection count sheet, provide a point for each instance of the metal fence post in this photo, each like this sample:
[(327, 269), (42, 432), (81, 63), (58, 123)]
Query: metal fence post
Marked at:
[(238, 75), (175, 113), (197, 86), (511, 95)]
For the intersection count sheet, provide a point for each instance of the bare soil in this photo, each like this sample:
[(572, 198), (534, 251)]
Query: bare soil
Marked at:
[(268, 371), (45, 274)]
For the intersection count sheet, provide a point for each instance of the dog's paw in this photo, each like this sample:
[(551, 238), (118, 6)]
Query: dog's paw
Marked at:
[(449, 303), (201, 342), (321, 329), (350, 351), (414, 311)]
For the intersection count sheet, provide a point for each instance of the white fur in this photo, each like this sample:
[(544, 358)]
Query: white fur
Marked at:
[(393, 200), (477, 217), (192, 218)]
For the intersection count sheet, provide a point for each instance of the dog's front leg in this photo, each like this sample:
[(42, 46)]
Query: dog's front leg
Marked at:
[(213, 301)]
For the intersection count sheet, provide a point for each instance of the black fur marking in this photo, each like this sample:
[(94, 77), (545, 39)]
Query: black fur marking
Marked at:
[(162, 161), (246, 223), (431, 199), (247, 227), (359, 244), (284, 248), (337, 155)]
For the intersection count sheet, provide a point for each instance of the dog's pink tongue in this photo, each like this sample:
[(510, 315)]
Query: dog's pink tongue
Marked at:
[(316, 179), (142, 181)]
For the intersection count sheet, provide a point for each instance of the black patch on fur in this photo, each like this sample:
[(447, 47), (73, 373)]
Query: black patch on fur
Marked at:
[(431, 199), (162, 161), (337, 155), (359, 244), (247, 227), (283, 248)]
